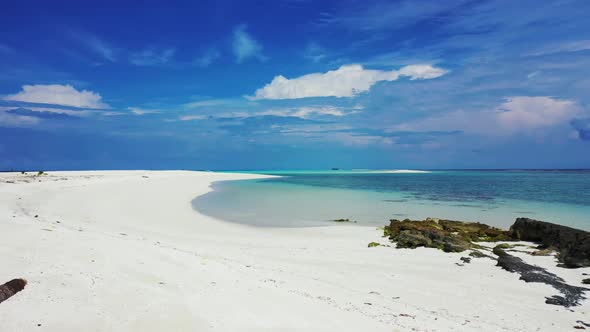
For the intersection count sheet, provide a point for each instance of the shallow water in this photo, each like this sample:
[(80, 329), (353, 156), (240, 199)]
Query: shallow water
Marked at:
[(311, 198)]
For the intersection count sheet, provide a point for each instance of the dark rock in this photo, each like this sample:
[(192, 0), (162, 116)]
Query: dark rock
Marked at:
[(586, 281), (466, 259), (543, 252), (570, 295), (573, 244), (447, 235), (455, 244), (479, 254), (412, 239), (344, 220)]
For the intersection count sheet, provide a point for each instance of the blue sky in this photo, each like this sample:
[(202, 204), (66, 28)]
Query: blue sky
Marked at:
[(294, 84)]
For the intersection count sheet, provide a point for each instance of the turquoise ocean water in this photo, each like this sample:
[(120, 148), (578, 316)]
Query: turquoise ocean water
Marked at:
[(314, 198)]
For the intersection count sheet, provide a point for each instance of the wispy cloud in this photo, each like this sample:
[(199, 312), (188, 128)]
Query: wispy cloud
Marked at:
[(229, 102), (152, 57), (31, 116), (6, 49), (95, 45), (15, 120), (303, 112), (56, 94), (208, 57), (582, 127), (346, 81), (245, 47), (314, 52), (142, 111), (103, 49), (192, 117), (47, 113), (32, 110), (378, 15), (112, 113), (563, 47)]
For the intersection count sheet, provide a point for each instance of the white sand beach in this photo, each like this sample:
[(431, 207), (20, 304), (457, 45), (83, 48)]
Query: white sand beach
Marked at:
[(125, 251)]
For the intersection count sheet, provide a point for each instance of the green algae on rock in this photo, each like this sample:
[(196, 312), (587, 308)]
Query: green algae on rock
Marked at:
[(572, 245), (447, 235)]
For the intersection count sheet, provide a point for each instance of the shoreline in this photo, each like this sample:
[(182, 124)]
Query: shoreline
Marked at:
[(125, 250), (289, 202)]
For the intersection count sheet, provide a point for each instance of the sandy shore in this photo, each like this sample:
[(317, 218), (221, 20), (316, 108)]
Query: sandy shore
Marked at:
[(125, 251)]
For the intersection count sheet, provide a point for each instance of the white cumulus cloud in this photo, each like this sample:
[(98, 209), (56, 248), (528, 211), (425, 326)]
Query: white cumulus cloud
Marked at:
[(346, 81), (535, 112), (56, 94), (519, 114)]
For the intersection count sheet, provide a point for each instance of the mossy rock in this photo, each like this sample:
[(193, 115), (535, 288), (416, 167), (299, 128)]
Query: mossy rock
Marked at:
[(373, 244), (505, 246), (543, 252), (447, 235), (412, 239), (456, 245)]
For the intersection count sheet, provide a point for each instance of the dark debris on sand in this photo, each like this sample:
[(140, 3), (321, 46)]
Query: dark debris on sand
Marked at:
[(572, 246), (571, 295), (10, 288)]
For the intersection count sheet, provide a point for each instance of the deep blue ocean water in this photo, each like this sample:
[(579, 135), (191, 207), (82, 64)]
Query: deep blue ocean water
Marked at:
[(311, 198)]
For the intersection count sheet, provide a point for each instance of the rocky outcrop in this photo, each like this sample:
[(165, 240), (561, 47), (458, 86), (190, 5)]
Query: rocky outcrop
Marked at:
[(447, 235), (572, 244)]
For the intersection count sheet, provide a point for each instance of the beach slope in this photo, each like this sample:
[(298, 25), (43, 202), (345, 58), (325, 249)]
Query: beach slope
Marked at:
[(125, 251)]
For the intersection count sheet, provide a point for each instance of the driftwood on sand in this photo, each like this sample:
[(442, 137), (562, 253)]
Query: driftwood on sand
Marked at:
[(10, 288)]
